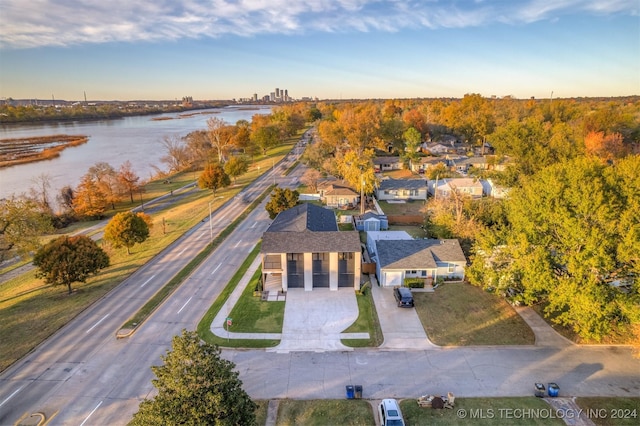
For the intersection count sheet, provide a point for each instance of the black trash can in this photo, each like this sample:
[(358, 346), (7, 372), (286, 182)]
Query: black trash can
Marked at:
[(358, 389), (540, 390), (350, 392), (553, 389)]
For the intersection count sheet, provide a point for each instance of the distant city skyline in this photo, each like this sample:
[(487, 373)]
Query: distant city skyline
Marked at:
[(329, 49)]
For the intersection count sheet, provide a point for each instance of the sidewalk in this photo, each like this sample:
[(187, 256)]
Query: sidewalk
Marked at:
[(545, 334)]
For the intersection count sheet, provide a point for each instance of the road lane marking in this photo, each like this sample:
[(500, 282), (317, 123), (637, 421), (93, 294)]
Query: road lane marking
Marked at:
[(182, 251), (254, 225), (11, 396), (217, 267), (237, 244), (91, 413), (200, 236), (96, 324), (185, 304), (145, 283)]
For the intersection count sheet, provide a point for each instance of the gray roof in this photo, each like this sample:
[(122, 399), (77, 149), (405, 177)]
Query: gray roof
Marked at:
[(417, 254), (304, 216), (402, 184), (307, 228)]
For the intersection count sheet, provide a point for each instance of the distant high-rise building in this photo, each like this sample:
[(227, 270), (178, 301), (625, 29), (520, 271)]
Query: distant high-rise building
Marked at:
[(273, 96), (277, 93), (255, 97)]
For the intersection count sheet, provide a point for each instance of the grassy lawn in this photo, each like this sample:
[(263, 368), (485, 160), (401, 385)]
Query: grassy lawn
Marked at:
[(459, 314), (325, 412), (367, 322), (406, 208), (480, 411), (261, 411), (611, 411), (253, 315), (31, 311), (414, 230), (400, 174)]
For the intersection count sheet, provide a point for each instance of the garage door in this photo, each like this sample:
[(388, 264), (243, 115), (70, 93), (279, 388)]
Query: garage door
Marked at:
[(392, 279)]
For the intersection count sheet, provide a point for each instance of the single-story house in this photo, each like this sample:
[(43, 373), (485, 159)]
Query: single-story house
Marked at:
[(374, 236), (337, 194), (402, 189), (370, 221), (436, 148), (491, 189), (427, 258), (383, 164), (303, 248), (466, 186), (422, 164)]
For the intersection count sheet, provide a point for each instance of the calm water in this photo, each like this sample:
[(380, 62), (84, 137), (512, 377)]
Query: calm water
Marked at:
[(137, 139)]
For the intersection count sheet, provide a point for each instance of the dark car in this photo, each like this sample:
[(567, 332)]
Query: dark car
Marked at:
[(403, 297)]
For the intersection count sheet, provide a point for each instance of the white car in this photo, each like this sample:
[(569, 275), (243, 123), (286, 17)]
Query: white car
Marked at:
[(389, 413)]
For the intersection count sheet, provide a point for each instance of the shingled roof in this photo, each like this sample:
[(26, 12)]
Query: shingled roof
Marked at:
[(307, 228), (417, 254)]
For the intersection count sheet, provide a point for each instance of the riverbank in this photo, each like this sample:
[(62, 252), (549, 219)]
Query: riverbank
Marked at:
[(28, 150)]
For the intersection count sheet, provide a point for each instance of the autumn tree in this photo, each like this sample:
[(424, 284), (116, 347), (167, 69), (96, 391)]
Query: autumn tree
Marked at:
[(196, 386), (572, 230), (127, 229), (40, 192), (66, 260), (607, 147), (281, 200), (236, 166), (265, 138), (106, 178), (89, 200), (221, 136), (214, 177), (128, 179), (22, 223)]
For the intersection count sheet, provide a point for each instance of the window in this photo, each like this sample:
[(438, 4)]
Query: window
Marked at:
[(452, 267), (345, 256)]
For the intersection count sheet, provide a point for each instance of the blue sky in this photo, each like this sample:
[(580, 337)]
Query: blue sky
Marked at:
[(223, 49)]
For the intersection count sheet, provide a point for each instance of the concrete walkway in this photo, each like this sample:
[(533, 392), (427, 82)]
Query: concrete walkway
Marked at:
[(545, 335)]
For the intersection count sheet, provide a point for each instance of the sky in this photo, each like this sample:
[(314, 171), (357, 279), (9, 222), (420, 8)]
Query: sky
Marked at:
[(329, 49)]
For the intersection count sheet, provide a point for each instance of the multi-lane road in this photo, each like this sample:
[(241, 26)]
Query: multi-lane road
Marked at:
[(83, 374)]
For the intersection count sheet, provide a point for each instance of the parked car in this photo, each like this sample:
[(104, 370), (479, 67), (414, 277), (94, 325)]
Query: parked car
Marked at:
[(403, 296), (389, 413)]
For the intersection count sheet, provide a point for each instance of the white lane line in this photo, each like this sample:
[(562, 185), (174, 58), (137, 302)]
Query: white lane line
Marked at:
[(237, 244), (91, 413), (254, 225), (182, 251), (96, 324), (200, 236), (11, 396), (145, 283), (185, 304), (217, 267)]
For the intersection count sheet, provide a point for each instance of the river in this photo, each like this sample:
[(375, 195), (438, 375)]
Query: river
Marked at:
[(137, 139)]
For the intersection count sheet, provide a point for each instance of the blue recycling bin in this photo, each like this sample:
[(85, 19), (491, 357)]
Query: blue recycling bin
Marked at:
[(553, 389), (350, 392)]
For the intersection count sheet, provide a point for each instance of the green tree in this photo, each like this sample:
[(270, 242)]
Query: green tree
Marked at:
[(196, 386), (265, 137), (66, 260), (412, 139), (281, 200), (213, 177), (22, 223), (127, 229), (564, 245), (236, 166)]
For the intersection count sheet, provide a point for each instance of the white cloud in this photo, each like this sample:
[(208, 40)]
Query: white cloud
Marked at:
[(34, 23)]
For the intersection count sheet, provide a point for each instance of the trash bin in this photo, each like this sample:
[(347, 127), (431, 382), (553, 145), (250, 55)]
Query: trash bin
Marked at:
[(540, 390), (553, 389), (350, 392), (358, 389)]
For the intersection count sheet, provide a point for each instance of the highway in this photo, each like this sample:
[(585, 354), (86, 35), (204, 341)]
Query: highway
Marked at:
[(83, 374)]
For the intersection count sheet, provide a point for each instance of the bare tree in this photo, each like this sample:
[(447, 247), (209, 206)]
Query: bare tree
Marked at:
[(129, 180), (40, 191), (177, 157)]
